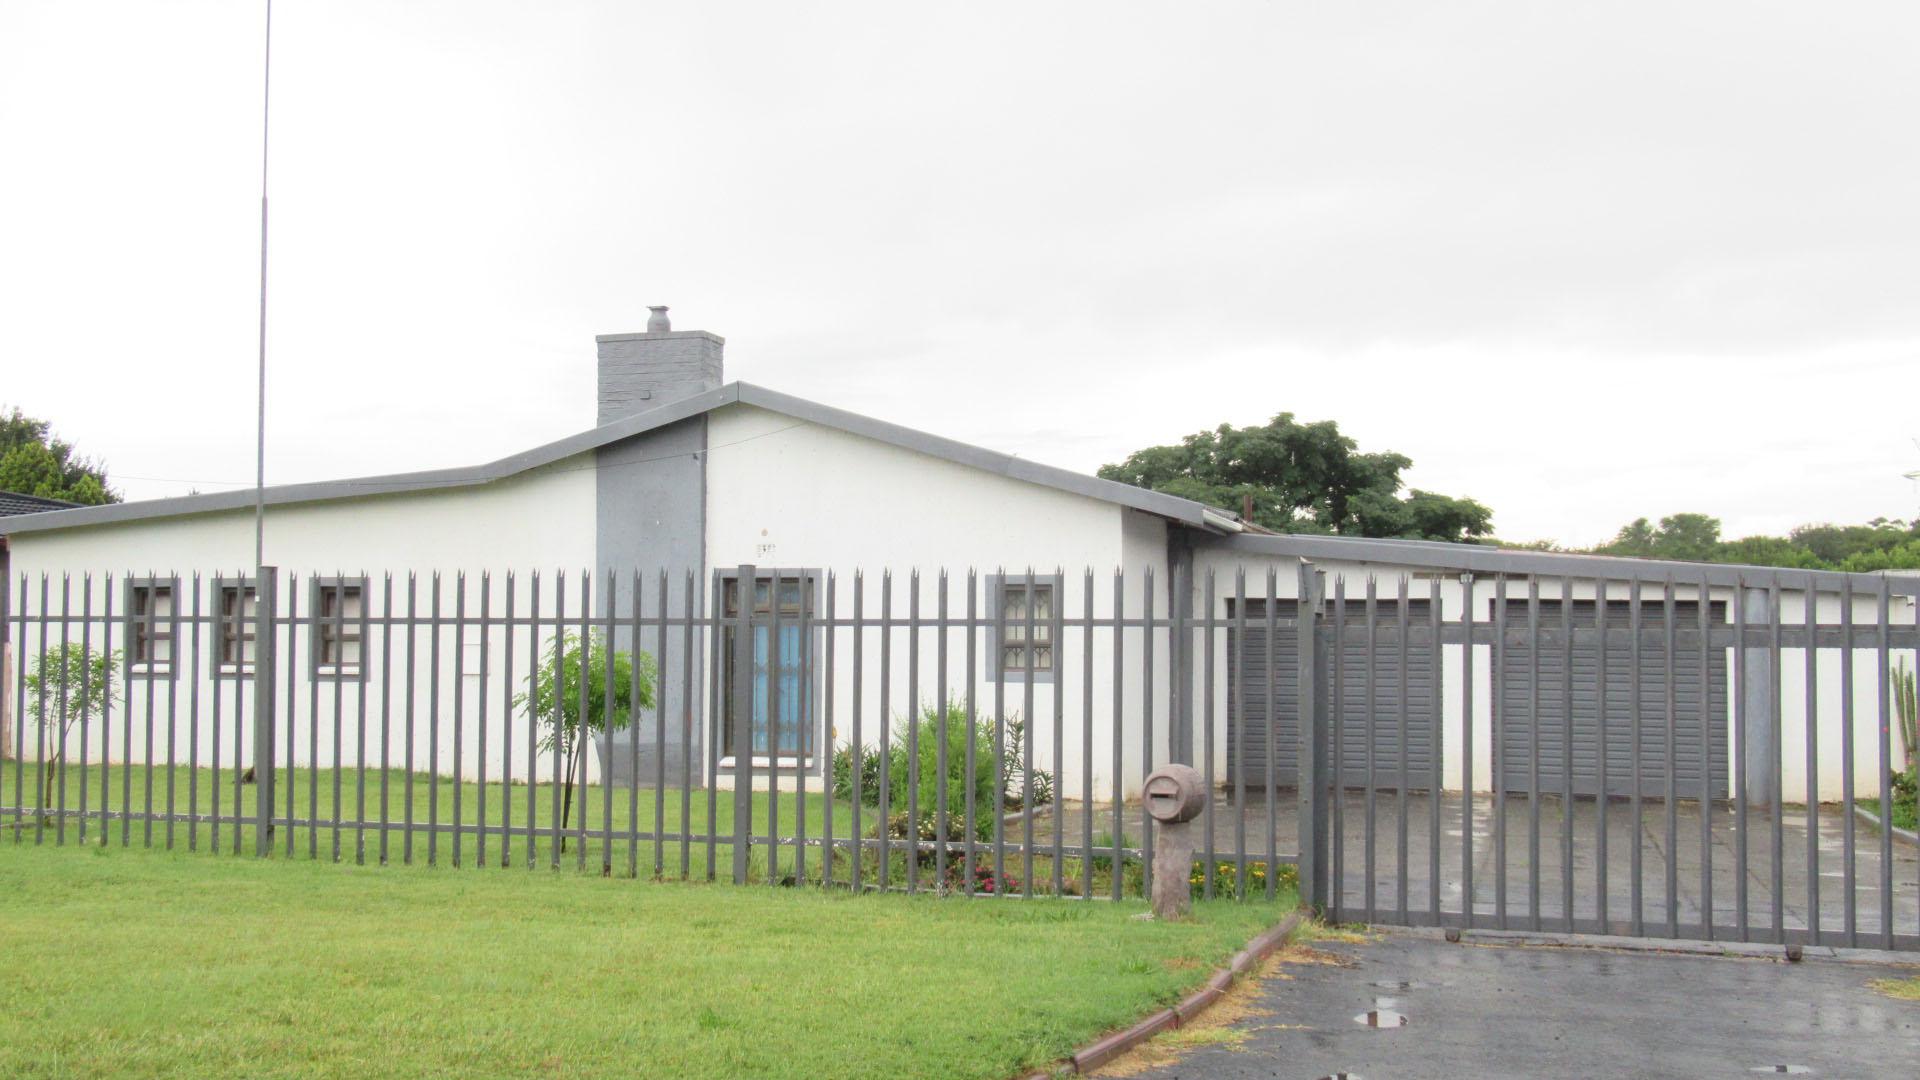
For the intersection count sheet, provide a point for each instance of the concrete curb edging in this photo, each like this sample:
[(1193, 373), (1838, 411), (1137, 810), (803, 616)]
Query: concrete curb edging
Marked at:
[(1015, 817), (1107, 1047), (1908, 836)]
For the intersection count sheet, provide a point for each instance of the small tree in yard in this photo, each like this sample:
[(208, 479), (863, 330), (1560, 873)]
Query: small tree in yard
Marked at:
[(555, 703), (70, 683)]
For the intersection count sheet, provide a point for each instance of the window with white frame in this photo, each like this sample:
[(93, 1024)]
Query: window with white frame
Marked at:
[(150, 627), (339, 626), (237, 607), (1024, 649)]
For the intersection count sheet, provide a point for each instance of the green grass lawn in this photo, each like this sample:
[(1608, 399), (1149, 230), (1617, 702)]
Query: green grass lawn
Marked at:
[(155, 963), (369, 797), (353, 795)]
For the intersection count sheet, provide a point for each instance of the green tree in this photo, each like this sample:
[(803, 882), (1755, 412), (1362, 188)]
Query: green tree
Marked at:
[(555, 704), (1768, 551), (1634, 540), (1900, 557), (1835, 544), (68, 683), (1880, 544), (33, 461), (1685, 537), (1302, 478), (1689, 537)]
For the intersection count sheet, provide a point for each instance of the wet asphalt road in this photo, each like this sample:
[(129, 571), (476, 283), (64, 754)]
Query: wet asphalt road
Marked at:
[(1514, 1011)]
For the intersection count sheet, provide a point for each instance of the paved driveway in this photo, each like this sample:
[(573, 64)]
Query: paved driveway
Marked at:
[(1701, 876), (1515, 1011)]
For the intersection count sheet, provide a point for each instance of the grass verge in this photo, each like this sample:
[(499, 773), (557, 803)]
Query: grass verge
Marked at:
[(150, 963), (1904, 989), (1905, 815)]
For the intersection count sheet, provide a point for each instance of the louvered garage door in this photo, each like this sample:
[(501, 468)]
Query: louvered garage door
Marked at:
[(1519, 731), (1247, 742)]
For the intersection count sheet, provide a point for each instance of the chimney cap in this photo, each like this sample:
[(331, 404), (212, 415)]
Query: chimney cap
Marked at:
[(657, 322)]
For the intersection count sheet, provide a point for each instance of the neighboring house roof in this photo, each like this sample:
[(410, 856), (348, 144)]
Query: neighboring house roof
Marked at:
[(1184, 511), (13, 502)]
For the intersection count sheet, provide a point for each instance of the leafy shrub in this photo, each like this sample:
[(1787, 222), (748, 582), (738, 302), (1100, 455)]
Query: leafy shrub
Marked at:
[(1017, 769), (1042, 789), (869, 775), (929, 830), (1226, 876), (1906, 798), (983, 879), (926, 774)]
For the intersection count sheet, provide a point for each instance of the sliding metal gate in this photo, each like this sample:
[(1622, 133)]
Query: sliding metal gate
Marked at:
[(1390, 673), (1751, 734)]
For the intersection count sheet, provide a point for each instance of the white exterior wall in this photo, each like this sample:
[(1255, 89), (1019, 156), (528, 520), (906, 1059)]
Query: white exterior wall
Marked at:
[(1144, 545), (1831, 721), (800, 496), (542, 520)]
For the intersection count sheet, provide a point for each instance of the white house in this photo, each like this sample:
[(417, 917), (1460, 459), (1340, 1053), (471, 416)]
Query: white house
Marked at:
[(686, 474)]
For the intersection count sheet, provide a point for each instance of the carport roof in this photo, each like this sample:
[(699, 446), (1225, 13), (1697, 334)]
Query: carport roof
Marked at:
[(1183, 511), (13, 503)]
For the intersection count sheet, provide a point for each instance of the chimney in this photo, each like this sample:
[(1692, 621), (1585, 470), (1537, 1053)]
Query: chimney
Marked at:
[(644, 371)]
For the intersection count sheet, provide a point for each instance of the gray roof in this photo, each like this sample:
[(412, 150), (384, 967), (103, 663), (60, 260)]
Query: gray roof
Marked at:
[(14, 502), (1184, 511)]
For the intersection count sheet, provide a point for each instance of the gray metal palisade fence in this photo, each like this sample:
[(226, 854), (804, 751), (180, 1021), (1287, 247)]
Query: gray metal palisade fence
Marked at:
[(1489, 739)]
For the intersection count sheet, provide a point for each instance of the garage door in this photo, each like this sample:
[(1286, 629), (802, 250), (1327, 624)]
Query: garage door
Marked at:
[(1690, 680), (1376, 662)]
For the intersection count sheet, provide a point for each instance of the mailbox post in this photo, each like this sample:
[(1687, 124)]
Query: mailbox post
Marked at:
[(1175, 796)]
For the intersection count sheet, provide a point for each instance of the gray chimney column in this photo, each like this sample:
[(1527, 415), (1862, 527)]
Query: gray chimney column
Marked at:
[(650, 505), (644, 371)]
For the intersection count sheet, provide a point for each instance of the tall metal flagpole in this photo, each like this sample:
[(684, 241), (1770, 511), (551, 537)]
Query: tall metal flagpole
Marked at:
[(265, 580), (260, 429)]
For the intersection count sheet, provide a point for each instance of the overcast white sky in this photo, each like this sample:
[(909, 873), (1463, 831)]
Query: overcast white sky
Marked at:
[(1581, 262)]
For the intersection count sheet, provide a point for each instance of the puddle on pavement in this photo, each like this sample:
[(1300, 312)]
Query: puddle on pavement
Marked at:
[(1406, 984), (1381, 1018)]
